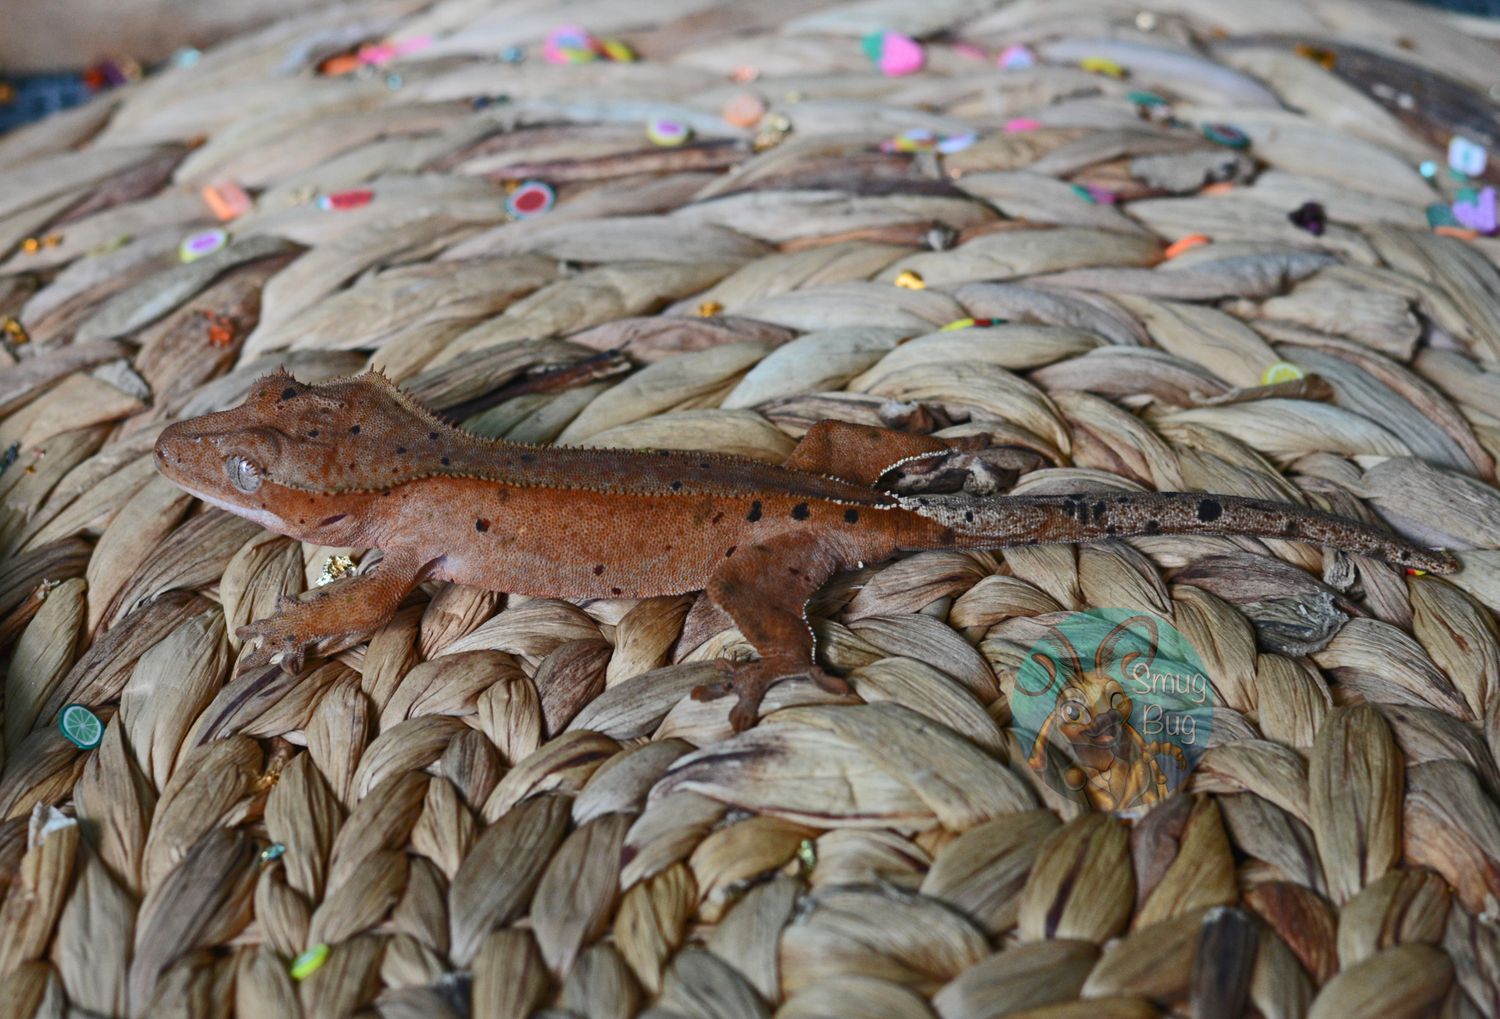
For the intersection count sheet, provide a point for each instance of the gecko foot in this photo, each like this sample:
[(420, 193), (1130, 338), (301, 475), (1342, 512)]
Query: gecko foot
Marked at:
[(749, 681), (278, 636)]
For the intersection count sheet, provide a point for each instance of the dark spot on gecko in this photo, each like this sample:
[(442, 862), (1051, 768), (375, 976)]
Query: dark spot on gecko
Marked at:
[(599, 570), (1290, 529), (445, 461), (663, 452), (400, 450), (730, 551), (1209, 510), (754, 513), (616, 591), (1099, 510), (1033, 541), (481, 525), (676, 486), (1068, 508), (705, 465), (527, 458), (800, 511), (851, 516), (969, 516), (1110, 529), (717, 517), (354, 429), (288, 392), (1152, 527), (313, 434), (794, 571)]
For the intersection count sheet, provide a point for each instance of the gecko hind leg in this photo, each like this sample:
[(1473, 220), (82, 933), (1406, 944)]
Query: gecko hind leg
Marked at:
[(335, 617), (862, 453), (764, 588)]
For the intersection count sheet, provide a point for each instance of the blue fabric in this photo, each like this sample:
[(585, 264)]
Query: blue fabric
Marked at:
[(37, 95)]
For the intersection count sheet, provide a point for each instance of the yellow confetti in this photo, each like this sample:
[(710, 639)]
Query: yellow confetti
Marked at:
[(709, 308), (1281, 371), (310, 961), (956, 325), (910, 280), (1100, 65)]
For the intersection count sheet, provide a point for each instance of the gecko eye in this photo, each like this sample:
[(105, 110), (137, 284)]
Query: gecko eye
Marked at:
[(1072, 711), (243, 474)]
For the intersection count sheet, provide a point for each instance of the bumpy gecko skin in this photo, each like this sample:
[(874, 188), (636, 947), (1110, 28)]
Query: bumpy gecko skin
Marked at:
[(356, 462)]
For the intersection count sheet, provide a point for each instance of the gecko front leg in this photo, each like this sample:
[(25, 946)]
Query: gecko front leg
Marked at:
[(764, 588), (338, 616)]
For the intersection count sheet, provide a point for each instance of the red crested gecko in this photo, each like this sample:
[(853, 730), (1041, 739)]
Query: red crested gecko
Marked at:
[(356, 462)]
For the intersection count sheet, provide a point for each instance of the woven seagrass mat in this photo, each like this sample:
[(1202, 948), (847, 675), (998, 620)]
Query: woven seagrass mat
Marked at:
[(502, 807)]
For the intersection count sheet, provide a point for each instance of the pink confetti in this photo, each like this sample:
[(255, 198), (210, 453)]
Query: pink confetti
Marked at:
[(900, 55), (968, 49), (1019, 124)]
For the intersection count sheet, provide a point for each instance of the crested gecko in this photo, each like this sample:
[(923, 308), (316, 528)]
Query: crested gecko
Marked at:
[(357, 462)]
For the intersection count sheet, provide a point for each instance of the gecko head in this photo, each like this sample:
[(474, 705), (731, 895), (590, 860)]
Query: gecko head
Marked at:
[(289, 436)]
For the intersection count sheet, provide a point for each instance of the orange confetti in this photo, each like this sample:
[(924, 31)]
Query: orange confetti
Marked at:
[(342, 63), (1220, 187), (744, 110), (1187, 243), (227, 200), (1463, 233)]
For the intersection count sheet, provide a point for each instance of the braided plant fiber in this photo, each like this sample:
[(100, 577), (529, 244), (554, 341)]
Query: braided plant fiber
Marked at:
[(502, 807)]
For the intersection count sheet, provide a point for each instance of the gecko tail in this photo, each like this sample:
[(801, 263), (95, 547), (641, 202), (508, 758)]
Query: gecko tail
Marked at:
[(1054, 519)]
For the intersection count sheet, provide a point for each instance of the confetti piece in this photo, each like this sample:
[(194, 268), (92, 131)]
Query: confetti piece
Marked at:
[(227, 200), (1187, 243), (617, 51), (1084, 193), (274, 851), (531, 198), (1016, 58), (343, 201), (1440, 215), (1466, 157), (1428, 169), (1218, 187), (1281, 371), (969, 323), (895, 54), (334, 567), (1145, 99), (1412, 571), (744, 109), (708, 309), (969, 50), (1322, 57), (205, 242), (310, 961), (1310, 217), (1018, 124), (1476, 210), (513, 54), (340, 64), (914, 140), (569, 44), (1099, 65), (1460, 232), (744, 73), (81, 727), (910, 280), (16, 332), (951, 143), (1227, 135), (666, 132), (187, 57)]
